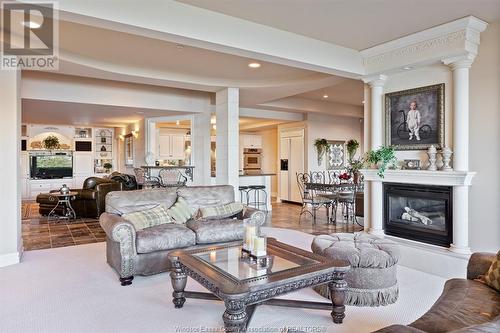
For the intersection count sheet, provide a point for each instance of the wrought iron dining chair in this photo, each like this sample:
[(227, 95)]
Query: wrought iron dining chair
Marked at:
[(346, 198), (323, 177), (145, 181), (309, 198), (172, 178)]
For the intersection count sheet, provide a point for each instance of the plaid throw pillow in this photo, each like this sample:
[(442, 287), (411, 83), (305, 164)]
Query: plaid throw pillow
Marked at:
[(181, 211), (221, 212), (148, 218), (492, 278)]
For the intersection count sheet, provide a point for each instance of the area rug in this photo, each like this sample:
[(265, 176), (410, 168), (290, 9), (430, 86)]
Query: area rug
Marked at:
[(73, 289)]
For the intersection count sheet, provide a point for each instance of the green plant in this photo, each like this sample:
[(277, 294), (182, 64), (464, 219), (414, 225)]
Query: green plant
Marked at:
[(352, 146), (322, 147), (356, 165), (51, 142), (383, 156), (107, 166)]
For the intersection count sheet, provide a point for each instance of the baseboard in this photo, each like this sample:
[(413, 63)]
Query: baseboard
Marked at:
[(10, 259), (431, 259)]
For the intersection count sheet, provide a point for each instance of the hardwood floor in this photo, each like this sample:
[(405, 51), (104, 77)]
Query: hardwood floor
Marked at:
[(38, 234)]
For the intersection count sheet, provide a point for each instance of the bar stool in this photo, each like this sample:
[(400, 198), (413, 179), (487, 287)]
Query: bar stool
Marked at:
[(258, 192), (243, 194)]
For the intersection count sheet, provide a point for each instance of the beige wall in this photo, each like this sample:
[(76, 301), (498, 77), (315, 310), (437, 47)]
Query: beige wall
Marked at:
[(484, 197), (139, 146), (331, 128)]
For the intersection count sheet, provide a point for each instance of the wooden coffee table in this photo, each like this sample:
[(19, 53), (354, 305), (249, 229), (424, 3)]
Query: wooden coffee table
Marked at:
[(241, 287)]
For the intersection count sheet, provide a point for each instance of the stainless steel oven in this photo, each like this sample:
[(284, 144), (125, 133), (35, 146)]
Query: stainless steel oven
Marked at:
[(252, 159)]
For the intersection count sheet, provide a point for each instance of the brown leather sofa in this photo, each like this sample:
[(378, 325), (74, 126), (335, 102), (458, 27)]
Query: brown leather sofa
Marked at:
[(465, 306), (89, 201)]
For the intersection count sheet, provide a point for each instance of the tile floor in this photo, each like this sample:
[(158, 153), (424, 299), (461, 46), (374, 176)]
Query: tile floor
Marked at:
[(38, 234)]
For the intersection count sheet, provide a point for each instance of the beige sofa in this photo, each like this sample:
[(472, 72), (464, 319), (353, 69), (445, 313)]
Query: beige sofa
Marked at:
[(144, 252)]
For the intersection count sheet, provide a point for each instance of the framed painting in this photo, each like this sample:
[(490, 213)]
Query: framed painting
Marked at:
[(415, 118), (336, 155)]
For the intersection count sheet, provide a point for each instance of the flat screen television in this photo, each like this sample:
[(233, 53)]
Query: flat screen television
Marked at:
[(51, 166)]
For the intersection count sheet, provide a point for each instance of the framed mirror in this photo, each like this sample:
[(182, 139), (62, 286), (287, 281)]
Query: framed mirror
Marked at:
[(129, 150)]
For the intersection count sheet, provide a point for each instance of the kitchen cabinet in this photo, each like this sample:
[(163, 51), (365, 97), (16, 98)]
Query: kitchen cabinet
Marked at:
[(171, 146), (251, 141)]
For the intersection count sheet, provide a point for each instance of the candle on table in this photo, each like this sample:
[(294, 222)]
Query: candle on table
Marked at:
[(259, 246), (249, 236)]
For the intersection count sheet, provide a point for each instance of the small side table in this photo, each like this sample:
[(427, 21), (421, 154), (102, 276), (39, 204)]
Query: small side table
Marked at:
[(63, 201)]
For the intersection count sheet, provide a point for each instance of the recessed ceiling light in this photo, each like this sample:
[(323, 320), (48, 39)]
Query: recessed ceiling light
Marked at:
[(254, 65), (325, 96), (407, 68), (140, 112), (179, 46), (31, 24), (177, 123)]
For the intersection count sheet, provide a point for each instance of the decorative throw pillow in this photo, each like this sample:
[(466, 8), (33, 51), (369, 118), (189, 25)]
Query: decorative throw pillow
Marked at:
[(148, 218), (221, 212), (492, 278), (180, 212)]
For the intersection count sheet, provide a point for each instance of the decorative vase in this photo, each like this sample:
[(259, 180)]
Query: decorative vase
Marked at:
[(355, 177), (432, 152), (64, 189), (446, 153)]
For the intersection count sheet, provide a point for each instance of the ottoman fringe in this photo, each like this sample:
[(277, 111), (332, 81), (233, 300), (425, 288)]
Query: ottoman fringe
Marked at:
[(365, 297)]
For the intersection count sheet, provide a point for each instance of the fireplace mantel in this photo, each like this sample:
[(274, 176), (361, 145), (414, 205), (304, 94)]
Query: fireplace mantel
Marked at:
[(424, 177)]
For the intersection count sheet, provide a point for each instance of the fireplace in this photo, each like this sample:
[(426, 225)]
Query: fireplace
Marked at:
[(419, 212)]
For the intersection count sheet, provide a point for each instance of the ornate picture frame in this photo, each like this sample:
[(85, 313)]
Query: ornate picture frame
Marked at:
[(336, 156), (415, 118)]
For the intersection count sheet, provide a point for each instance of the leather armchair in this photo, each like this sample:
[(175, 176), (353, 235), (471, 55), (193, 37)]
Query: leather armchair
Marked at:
[(89, 201)]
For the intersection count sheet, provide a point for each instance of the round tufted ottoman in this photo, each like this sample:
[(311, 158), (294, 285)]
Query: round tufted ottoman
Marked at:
[(372, 278)]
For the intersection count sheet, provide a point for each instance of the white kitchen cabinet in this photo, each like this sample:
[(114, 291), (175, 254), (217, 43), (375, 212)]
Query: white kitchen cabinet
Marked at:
[(251, 141), (171, 146)]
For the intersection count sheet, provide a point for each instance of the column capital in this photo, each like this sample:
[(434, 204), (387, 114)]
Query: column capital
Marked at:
[(375, 80), (464, 61)]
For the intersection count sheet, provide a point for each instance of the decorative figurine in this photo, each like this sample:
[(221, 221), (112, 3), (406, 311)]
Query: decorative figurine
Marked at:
[(64, 189), (446, 153), (432, 152)]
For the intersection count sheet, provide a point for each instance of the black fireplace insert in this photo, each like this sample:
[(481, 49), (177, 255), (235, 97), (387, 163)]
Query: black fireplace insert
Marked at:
[(422, 213)]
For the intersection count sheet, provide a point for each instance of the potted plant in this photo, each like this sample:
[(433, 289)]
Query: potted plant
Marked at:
[(381, 157), (107, 166), (322, 146), (51, 142), (352, 146), (354, 167)]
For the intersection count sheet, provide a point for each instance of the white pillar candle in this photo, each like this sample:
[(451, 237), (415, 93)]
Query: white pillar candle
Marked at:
[(250, 233), (259, 246)]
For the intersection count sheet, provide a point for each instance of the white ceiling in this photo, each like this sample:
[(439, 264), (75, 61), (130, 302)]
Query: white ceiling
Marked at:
[(346, 91), (37, 111), (357, 24)]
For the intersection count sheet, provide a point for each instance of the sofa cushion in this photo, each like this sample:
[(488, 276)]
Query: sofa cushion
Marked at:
[(164, 237), (205, 196), (221, 212), (132, 201), (148, 218), (181, 211), (463, 303), (214, 231), (492, 277)]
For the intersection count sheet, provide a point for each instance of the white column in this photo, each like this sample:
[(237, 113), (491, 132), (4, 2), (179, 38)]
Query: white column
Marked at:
[(376, 140), (10, 195), (200, 145), (366, 147), (227, 142), (460, 68)]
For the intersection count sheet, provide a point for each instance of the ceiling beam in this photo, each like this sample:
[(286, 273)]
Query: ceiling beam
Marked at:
[(270, 114), (197, 27), (304, 105)]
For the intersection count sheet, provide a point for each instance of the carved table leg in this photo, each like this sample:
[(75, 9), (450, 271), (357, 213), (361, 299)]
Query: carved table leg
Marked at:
[(179, 279), (235, 317), (337, 289)]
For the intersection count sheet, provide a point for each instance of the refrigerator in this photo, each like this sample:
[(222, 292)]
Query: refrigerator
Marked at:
[(291, 162)]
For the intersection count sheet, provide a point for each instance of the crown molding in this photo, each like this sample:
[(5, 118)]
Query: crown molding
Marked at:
[(454, 39)]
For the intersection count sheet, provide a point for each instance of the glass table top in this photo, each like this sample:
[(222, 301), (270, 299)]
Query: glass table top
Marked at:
[(229, 260)]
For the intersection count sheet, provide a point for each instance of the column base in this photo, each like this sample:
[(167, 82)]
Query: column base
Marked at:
[(460, 249), (376, 232)]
